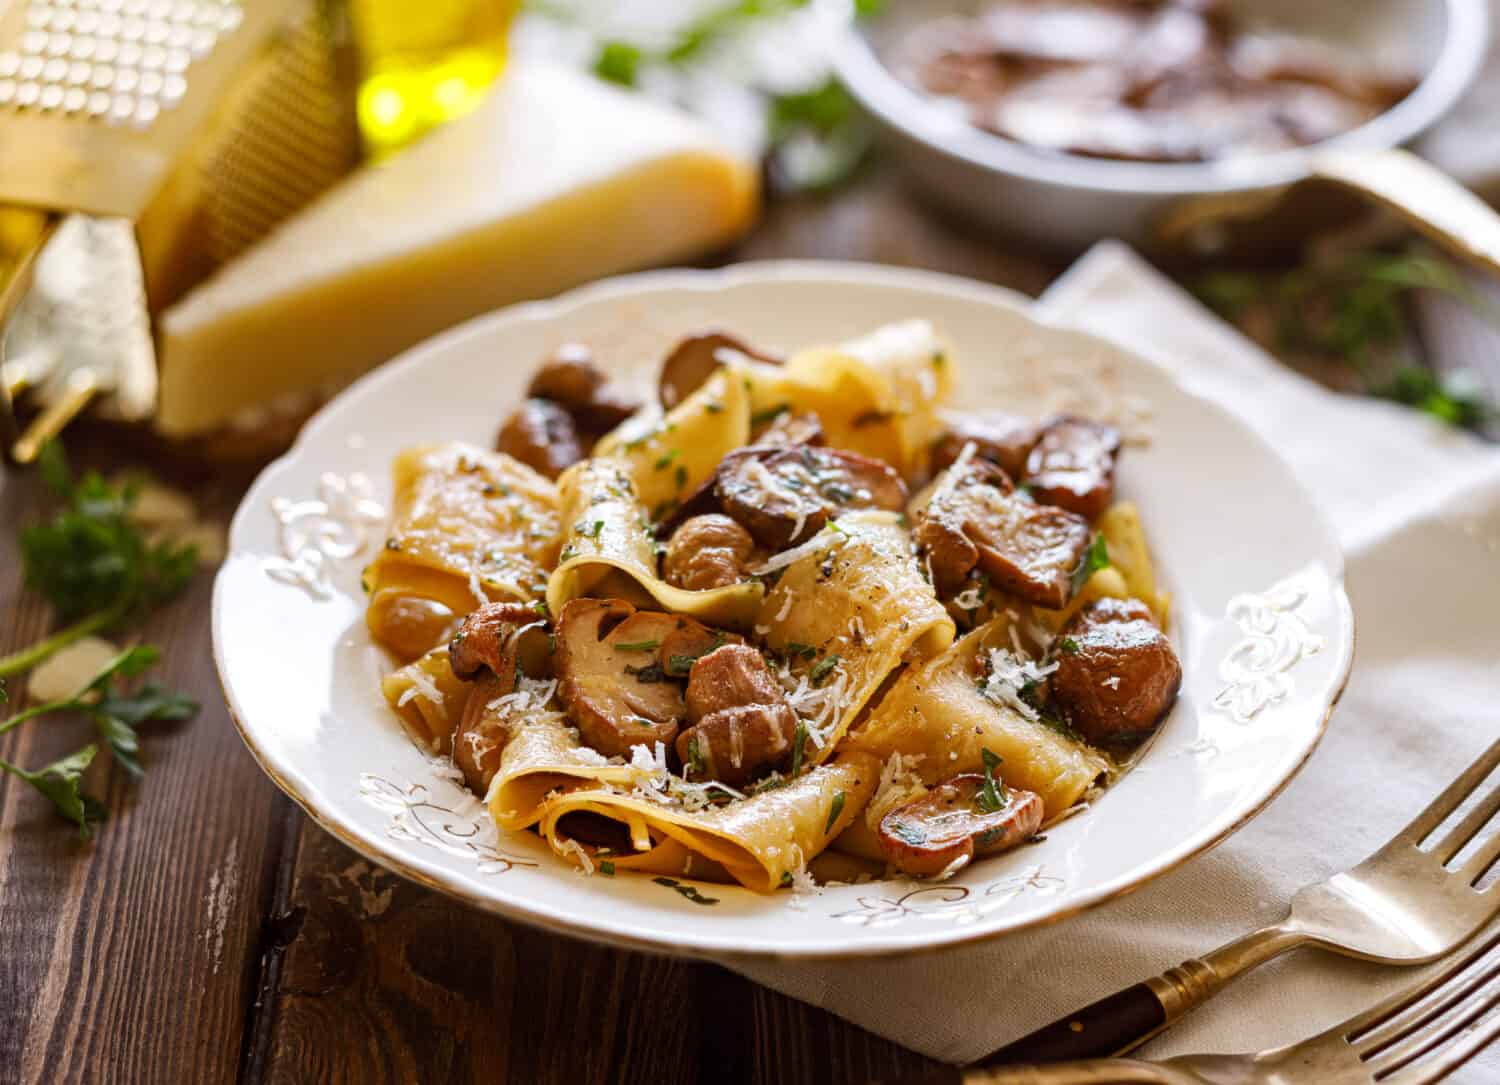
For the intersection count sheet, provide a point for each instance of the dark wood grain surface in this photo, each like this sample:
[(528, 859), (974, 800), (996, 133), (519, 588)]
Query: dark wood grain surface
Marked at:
[(210, 933)]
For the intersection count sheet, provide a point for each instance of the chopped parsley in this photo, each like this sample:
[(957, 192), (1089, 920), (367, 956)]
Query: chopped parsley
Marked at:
[(786, 879), (992, 797), (799, 741), (688, 891), (681, 476), (638, 646), (540, 606), (648, 674), (589, 530), (795, 648), (1097, 558), (833, 813), (822, 668), (664, 461), (607, 868), (769, 414), (1068, 646), (696, 764), (713, 406), (908, 833)]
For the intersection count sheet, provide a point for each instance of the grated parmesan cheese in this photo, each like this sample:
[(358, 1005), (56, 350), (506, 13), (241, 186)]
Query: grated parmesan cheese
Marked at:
[(825, 538), (1113, 681), (577, 851), (421, 686), (1009, 673)]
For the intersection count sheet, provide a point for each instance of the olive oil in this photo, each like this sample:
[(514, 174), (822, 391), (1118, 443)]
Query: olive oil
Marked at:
[(425, 62)]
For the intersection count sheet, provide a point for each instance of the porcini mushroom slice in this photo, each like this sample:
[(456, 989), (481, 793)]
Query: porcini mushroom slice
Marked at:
[(693, 361), (951, 824), (785, 497), (610, 676), (1073, 465), (1117, 675)]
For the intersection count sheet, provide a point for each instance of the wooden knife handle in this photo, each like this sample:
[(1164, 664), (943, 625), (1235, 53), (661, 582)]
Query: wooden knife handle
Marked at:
[(1107, 1027)]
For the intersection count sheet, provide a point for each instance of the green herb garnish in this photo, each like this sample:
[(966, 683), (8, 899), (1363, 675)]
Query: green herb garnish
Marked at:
[(992, 797), (833, 813), (91, 562), (115, 715), (688, 891), (769, 414), (1068, 646), (638, 646), (696, 765), (799, 741), (908, 833), (1095, 559), (607, 868), (822, 668), (648, 674)]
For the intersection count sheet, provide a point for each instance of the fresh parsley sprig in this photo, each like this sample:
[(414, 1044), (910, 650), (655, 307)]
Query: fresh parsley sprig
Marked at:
[(115, 713), (91, 562), (992, 797)]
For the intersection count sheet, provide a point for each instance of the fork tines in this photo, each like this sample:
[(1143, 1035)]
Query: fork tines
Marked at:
[(1453, 842), (1422, 1035)]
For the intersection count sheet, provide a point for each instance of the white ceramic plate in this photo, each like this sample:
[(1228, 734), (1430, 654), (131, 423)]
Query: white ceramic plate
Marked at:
[(1260, 616)]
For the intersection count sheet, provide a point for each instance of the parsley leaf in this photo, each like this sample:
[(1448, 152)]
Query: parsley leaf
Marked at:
[(638, 646), (992, 797), (1095, 559), (799, 741), (60, 783), (116, 714), (822, 668), (833, 813), (91, 562)]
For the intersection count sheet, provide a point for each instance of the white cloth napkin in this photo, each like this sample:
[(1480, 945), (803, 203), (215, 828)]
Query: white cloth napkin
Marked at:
[(1417, 508)]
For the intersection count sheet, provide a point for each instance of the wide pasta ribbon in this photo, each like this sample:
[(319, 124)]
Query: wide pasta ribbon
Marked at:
[(469, 526), (610, 551), (850, 606)]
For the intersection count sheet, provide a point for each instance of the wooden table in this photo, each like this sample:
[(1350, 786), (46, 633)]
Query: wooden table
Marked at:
[(211, 933)]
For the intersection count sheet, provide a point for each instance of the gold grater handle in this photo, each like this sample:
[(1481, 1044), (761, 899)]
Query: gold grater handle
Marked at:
[(23, 235)]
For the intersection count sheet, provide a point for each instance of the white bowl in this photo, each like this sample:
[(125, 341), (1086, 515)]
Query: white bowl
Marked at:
[(1070, 201), (1261, 620)]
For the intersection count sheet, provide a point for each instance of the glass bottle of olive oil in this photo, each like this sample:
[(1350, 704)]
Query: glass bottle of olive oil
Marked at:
[(424, 62)]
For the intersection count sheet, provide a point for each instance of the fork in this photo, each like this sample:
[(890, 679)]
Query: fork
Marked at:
[(1406, 904), (1416, 1037)]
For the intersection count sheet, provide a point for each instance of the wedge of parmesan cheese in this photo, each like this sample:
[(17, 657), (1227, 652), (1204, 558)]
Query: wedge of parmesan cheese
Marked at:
[(556, 179)]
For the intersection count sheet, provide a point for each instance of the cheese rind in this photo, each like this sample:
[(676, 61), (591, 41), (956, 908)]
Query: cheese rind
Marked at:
[(555, 180)]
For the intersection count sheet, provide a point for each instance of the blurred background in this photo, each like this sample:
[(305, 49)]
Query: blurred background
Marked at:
[(192, 186)]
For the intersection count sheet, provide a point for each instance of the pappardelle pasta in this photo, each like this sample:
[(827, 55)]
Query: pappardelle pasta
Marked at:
[(790, 609)]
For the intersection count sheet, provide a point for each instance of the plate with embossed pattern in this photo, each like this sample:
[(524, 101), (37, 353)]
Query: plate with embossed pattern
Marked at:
[(1260, 618)]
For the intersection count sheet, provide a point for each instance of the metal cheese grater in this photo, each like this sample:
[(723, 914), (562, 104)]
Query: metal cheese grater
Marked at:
[(143, 143)]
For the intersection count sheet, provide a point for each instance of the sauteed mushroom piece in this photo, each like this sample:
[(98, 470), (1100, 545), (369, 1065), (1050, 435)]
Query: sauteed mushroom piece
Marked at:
[(785, 497), (1117, 674), (488, 637), (706, 552), (1002, 438), (573, 380), (950, 825), (1073, 465), (742, 723), (693, 361), (1026, 549), (496, 644), (610, 674), (541, 435)]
